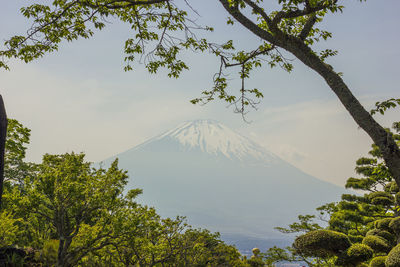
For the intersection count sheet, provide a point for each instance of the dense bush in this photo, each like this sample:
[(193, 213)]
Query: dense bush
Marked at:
[(377, 243), (359, 253), (391, 187), (9, 229), (355, 238), (321, 243), (378, 261), (380, 194), (383, 224), (383, 201), (49, 252), (393, 258), (382, 233), (395, 225)]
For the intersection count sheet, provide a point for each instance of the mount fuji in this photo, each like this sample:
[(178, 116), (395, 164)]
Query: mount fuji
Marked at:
[(222, 181)]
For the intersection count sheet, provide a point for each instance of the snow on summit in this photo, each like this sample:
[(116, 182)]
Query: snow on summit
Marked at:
[(215, 138), (221, 181)]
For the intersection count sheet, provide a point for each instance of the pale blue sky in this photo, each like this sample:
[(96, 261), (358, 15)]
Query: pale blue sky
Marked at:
[(81, 99)]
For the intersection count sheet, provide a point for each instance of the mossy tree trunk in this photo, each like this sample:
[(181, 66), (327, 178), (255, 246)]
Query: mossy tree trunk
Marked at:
[(63, 256)]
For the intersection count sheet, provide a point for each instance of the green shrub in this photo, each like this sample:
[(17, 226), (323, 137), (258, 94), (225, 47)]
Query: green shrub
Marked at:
[(9, 229), (378, 262), (355, 255), (395, 225), (350, 197), (256, 251), (50, 252), (352, 216), (359, 253), (391, 187), (394, 187), (393, 258), (382, 233), (384, 201), (383, 224), (348, 205), (373, 195), (255, 262), (321, 243), (355, 238), (377, 243)]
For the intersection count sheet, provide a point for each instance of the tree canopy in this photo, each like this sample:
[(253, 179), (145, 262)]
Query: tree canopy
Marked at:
[(361, 228), (65, 212)]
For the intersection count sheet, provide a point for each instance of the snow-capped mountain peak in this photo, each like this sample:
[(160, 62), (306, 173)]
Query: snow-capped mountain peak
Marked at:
[(220, 180), (215, 138)]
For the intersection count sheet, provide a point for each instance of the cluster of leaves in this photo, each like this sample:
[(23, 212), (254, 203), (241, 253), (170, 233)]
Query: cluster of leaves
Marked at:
[(291, 20), (162, 29), (152, 22), (381, 107), (67, 213)]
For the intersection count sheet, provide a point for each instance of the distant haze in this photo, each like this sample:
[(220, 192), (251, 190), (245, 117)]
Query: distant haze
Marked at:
[(222, 181)]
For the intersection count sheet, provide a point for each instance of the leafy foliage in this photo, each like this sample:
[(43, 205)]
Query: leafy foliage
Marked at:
[(162, 29), (377, 243), (290, 254), (355, 215), (369, 222), (393, 258), (321, 243), (9, 229), (354, 255), (75, 215), (304, 225), (381, 107), (17, 140), (378, 261)]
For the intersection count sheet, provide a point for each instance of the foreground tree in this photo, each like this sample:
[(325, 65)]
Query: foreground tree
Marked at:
[(304, 226), (76, 200), (362, 229), (63, 212), (164, 28)]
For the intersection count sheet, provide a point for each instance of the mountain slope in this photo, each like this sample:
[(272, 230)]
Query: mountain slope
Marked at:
[(212, 138), (222, 181)]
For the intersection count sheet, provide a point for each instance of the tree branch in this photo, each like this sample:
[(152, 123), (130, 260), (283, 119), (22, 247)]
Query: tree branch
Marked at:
[(247, 23), (307, 27), (125, 3), (290, 14), (259, 10)]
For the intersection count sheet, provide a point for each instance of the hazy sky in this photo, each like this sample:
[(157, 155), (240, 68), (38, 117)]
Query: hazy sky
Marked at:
[(80, 99)]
